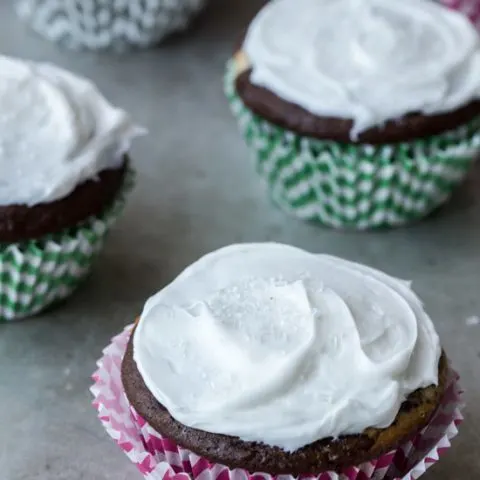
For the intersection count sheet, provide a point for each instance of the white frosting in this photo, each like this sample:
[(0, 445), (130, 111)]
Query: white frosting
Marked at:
[(273, 344), (368, 60), (56, 131)]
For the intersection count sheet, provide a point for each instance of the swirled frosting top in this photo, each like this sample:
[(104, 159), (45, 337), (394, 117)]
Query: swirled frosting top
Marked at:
[(276, 345), (365, 60), (56, 131)]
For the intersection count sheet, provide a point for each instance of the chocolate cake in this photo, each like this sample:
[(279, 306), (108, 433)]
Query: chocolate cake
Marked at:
[(324, 455), (292, 117), (359, 114), (65, 175), (272, 359), (22, 222)]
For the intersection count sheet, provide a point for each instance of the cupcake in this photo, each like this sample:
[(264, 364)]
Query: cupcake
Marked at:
[(471, 8), (360, 113), (64, 175), (265, 359), (102, 25)]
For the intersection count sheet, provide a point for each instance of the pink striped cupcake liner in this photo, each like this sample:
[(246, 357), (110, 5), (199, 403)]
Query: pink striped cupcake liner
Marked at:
[(470, 8), (158, 458)]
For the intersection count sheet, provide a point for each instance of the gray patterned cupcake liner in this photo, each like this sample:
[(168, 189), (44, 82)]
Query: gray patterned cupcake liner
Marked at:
[(107, 24), (355, 186)]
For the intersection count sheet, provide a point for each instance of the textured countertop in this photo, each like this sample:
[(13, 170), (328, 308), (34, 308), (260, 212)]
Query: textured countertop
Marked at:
[(197, 191)]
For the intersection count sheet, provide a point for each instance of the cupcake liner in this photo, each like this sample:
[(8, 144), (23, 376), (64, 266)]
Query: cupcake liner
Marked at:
[(355, 186), (159, 458), (470, 8), (112, 24), (35, 274)]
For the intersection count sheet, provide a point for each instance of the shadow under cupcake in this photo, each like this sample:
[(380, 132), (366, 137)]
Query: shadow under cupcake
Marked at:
[(65, 176), (360, 114)]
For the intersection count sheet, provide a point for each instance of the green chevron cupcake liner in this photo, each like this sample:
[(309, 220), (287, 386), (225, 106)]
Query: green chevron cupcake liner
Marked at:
[(355, 186), (37, 273)]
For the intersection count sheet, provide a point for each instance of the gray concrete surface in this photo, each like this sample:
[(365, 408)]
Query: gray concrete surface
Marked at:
[(197, 191)]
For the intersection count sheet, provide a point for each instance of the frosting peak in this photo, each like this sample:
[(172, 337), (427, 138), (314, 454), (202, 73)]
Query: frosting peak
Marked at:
[(273, 344), (366, 60), (56, 131)]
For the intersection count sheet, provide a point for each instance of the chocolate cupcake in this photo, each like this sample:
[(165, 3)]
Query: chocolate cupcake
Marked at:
[(65, 172), (361, 113), (266, 358)]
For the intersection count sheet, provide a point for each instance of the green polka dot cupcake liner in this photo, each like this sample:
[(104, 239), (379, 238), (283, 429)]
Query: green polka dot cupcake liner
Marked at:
[(355, 186), (38, 273), (108, 25)]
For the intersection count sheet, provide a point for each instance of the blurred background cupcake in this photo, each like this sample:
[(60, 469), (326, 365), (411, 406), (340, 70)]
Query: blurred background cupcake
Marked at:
[(113, 24), (361, 113), (64, 176), (470, 8)]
